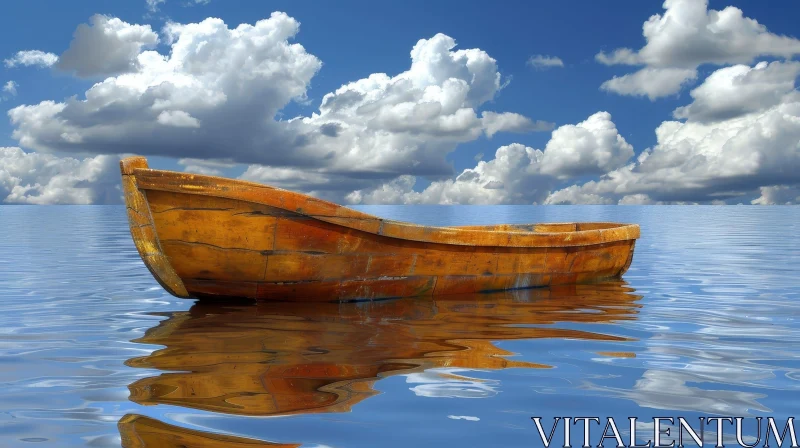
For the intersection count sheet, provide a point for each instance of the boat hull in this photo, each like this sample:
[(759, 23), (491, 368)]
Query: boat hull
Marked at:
[(206, 237)]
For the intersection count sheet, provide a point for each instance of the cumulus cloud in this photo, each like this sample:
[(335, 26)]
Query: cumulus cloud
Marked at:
[(207, 167), (214, 101), (177, 118), (619, 56), (633, 199), (722, 160), (318, 183), (576, 195), (510, 178), (541, 61), (651, 82), (108, 46), (33, 178), (407, 123), (593, 146), (518, 174), (778, 195), (288, 177), (511, 122), (738, 90), (217, 94), (686, 36), (27, 58), (233, 81)]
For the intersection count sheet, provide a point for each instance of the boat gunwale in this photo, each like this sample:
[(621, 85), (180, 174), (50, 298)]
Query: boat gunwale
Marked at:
[(247, 191)]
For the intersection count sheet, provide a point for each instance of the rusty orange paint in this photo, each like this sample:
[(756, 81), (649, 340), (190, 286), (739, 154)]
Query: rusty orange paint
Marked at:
[(204, 236)]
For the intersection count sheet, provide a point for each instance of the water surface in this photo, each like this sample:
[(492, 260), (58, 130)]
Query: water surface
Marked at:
[(94, 353)]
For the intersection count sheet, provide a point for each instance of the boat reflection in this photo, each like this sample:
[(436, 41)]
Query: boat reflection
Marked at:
[(138, 431), (289, 358)]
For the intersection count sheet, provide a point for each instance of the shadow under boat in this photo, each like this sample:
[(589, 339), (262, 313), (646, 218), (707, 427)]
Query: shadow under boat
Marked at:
[(284, 358)]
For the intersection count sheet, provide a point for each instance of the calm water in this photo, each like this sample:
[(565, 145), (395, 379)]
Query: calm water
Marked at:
[(94, 353)]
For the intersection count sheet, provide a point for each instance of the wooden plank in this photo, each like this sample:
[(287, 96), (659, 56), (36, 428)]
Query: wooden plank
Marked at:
[(223, 223), (473, 262), (531, 261), (199, 260)]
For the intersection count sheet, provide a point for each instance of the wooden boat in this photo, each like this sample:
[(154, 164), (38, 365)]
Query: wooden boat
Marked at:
[(210, 237)]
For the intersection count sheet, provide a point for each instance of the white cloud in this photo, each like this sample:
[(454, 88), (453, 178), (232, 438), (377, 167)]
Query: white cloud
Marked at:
[(636, 199), (619, 56), (511, 122), (651, 82), (108, 46), (232, 80), (177, 118), (518, 174), (540, 61), (778, 195), (510, 178), (576, 195), (727, 159), (207, 167), (213, 101), (593, 146), (323, 185), (11, 88), (218, 92), (688, 35), (407, 123), (32, 178), (31, 57), (397, 191), (738, 90)]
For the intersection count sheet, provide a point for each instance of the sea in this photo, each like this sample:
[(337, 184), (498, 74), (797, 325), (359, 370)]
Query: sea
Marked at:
[(94, 353)]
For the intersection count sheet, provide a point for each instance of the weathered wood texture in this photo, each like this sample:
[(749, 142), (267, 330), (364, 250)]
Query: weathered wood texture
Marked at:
[(218, 237), (143, 232), (293, 357), (137, 431)]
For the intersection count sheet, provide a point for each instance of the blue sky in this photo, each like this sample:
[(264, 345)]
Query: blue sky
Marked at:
[(353, 39)]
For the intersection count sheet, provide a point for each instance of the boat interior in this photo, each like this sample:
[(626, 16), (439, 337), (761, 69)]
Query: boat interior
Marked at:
[(545, 227)]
